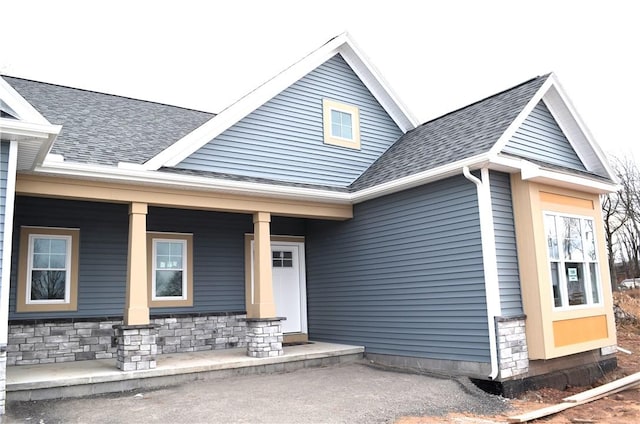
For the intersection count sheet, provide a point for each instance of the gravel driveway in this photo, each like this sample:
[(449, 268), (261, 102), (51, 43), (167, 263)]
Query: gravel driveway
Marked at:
[(350, 393)]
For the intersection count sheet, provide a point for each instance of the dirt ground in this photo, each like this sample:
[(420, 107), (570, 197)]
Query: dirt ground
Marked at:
[(620, 408)]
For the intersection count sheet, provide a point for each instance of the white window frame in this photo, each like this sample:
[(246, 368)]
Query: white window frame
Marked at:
[(154, 268), (67, 269), (562, 281), (328, 106)]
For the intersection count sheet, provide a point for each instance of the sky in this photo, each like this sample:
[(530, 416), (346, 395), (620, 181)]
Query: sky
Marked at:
[(437, 56)]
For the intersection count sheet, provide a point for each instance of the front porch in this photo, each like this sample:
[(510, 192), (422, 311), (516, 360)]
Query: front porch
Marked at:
[(83, 378)]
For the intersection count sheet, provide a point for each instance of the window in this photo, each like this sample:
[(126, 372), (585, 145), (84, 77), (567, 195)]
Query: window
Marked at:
[(282, 259), (48, 269), (341, 124), (170, 269), (573, 261)]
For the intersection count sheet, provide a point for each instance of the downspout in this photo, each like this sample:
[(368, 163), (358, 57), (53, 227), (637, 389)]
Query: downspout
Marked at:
[(489, 259)]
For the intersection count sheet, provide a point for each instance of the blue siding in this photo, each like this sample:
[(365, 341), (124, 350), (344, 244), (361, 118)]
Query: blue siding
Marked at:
[(283, 139), (103, 252), (540, 138), (404, 276), (506, 249), (218, 256), (4, 163), (218, 240)]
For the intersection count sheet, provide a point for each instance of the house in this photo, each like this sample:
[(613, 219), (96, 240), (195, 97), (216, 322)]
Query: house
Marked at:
[(471, 244)]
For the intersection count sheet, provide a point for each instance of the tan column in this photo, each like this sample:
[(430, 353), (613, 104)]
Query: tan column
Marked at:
[(263, 305), (136, 310)]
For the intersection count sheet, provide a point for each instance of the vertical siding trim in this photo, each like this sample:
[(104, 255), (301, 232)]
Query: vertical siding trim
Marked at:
[(489, 259), (7, 242)]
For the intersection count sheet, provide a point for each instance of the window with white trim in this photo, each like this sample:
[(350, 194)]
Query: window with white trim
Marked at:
[(573, 261), (170, 269), (341, 124), (169, 276), (48, 269)]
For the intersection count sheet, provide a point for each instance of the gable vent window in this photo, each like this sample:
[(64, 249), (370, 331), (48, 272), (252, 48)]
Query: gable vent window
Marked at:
[(341, 124)]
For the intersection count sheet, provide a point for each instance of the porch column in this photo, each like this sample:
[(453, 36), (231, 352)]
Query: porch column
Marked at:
[(136, 337), (264, 329), (263, 305), (137, 305)]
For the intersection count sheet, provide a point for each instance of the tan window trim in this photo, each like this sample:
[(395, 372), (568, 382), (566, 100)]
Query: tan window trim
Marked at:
[(170, 303), (72, 304), (329, 105)]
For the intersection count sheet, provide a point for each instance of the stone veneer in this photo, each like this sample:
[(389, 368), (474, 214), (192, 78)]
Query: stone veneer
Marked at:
[(264, 337), (137, 347), (3, 380), (512, 346), (41, 342)]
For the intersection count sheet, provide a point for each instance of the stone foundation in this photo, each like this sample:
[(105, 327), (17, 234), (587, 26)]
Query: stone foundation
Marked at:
[(513, 355), (264, 337), (41, 342), (3, 380), (38, 342), (137, 347), (198, 333)]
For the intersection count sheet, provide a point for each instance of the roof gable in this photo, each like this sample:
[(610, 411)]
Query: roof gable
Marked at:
[(540, 138), (462, 134), (573, 129), (341, 44), (283, 139)]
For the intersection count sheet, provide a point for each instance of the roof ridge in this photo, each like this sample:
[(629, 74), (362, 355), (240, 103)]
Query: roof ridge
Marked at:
[(105, 94), (485, 98)]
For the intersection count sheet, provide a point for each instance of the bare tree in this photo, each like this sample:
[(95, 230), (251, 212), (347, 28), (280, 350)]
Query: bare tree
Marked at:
[(621, 213)]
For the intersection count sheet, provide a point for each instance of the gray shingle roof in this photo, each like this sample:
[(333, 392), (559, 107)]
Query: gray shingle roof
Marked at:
[(461, 134), (105, 129)]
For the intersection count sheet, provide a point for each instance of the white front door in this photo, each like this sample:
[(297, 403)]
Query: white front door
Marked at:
[(289, 285)]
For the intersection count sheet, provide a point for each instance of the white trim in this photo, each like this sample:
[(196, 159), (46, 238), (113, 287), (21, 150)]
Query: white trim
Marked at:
[(67, 268), (561, 261), (166, 179), (537, 173), (489, 260), (7, 242), (20, 130), (135, 175), (154, 268), (25, 111), (341, 44), (418, 179)]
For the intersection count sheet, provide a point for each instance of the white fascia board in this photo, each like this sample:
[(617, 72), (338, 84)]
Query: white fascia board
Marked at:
[(137, 175), (342, 44), (532, 172), (513, 127), (576, 131), (374, 81), (19, 130), (420, 178), (24, 109), (165, 179)]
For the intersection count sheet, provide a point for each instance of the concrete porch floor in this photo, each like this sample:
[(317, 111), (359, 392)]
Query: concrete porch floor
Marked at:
[(83, 378)]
